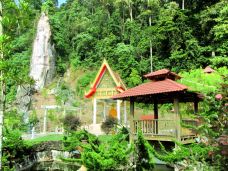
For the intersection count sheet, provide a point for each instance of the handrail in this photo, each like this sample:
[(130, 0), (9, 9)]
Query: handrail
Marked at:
[(160, 127)]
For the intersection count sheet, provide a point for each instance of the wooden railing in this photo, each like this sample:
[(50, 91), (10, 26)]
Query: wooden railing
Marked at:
[(186, 129), (158, 127), (155, 127)]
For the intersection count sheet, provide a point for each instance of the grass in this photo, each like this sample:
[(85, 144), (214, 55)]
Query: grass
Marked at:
[(105, 138), (52, 137)]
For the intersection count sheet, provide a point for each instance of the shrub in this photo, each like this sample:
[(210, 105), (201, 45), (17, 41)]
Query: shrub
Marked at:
[(14, 149), (109, 124), (107, 156), (71, 123), (144, 155), (74, 140), (84, 82)]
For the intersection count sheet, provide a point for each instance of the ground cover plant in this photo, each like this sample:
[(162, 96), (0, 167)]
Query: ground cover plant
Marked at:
[(51, 137)]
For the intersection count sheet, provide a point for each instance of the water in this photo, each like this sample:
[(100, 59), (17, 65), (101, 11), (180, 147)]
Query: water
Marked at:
[(61, 166), (53, 166), (160, 167)]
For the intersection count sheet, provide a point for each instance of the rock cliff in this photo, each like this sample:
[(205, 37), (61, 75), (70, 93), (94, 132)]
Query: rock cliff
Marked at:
[(42, 68)]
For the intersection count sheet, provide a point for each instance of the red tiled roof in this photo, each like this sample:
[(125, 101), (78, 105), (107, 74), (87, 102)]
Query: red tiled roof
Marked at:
[(160, 73), (208, 69), (146, 117), (150, 88)]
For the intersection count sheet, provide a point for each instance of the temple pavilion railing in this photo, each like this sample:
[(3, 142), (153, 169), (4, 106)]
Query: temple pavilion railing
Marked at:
[(164, 130)]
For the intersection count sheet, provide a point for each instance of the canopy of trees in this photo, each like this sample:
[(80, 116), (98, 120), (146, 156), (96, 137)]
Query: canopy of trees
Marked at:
[(178, 35)]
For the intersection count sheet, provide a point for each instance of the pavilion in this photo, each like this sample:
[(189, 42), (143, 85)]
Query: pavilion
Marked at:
[(162, 88), (208, 70), (107, 84)]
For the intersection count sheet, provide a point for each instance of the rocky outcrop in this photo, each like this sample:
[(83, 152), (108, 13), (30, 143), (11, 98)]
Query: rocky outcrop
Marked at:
[(24, 99), (48, 146), (42, 68)]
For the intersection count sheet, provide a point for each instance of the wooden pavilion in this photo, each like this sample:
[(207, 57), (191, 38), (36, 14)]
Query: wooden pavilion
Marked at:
[(161, 89), (107, 84)]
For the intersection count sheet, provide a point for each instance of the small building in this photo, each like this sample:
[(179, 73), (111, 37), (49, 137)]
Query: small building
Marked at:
[(208, 70), (107, 84), (161, 89)]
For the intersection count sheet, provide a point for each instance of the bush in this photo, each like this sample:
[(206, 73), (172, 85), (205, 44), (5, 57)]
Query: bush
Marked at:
[(71, 123), (109, 124), (75, 139), (84, 82), (144, 155), (14, 149), (111, 155)]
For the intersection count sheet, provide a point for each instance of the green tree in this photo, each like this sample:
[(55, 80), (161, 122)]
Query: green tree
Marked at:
[(14, 20), (2, 95), (134, 79)]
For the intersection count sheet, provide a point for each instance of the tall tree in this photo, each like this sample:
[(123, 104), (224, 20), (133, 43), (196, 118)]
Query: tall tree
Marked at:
[(2, 87), (14, 20), (153, 8)]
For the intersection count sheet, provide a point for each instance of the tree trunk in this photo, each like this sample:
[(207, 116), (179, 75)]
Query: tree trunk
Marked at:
[(151, 47), (123, 20), (2, 88), (182, 4), (151, 50), (151, 57), (130, 12)]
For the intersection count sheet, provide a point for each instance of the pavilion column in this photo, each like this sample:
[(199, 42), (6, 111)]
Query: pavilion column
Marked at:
[(156, 116), (118, 110), (196, 106), (178, 119), (45, 121), (132, 119), (104, 110), (125, 113), (94, 111)]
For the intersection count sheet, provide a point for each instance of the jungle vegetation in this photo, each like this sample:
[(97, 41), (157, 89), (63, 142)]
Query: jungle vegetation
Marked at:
[(183, 36)]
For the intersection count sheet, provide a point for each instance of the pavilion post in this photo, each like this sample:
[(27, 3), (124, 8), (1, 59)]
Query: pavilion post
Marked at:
[(196, 106), (118, 110), (125, 113), (104, 110), (45, 120), (156, 116), (94, 111), (132, 118), (178, 119)]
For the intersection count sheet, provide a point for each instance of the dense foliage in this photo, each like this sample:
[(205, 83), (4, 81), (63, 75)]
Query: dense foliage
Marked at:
[(71, 122), (202, 82), (126, 32), (111, 155), (14, 149), (73, 140), (144, 157), (100, 155)]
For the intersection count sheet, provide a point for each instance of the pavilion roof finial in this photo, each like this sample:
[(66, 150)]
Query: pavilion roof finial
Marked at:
[(162, 74)]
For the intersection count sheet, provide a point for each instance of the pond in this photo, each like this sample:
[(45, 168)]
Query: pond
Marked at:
[(161, 167), (53, 166), (60, 166)]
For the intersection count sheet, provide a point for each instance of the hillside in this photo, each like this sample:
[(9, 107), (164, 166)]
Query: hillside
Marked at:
[(50, 55)]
